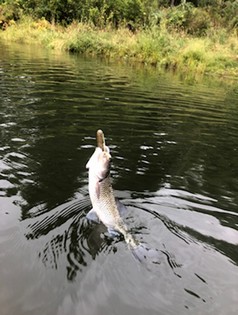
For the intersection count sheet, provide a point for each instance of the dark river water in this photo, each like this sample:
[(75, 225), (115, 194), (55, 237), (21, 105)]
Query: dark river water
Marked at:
[(174, 144)]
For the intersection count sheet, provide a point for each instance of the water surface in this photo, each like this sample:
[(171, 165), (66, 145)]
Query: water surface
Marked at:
[(175, 162)]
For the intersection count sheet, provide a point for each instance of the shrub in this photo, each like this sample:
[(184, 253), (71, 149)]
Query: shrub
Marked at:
[(176, 17), (197, 22), (10, 11), (230, 13)]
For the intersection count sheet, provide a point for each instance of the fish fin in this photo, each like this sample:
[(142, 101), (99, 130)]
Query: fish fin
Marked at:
[(121, 207), (98, 189), (92, 216), (112, 232), (145, 254)]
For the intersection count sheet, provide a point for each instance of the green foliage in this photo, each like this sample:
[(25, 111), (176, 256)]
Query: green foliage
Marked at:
[(176, 17), (186, 17), (151, 46), (98, 12), (230, 13), (224, 13), (114, 12), (197, 22), (192, 16), (10, 11)]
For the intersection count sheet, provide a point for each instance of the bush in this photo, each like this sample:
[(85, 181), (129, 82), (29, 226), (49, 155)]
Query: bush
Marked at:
[(98, 12), (10, 11), (176, 17), (186, 17), (117, 12), (230, 13), (224, 13), (193, 16), (197, 22)]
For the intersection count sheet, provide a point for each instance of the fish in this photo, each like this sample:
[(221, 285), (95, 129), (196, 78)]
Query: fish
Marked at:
[(106, 208)]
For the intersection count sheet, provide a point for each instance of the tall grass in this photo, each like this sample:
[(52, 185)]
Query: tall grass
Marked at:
[(217, 52)]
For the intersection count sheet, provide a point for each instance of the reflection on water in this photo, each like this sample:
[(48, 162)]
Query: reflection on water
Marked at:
[(175, 160)]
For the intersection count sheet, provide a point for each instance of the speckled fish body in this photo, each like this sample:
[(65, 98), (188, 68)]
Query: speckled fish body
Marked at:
[(101, 192), (105, 208)]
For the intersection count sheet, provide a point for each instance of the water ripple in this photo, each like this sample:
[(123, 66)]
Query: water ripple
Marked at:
[(175, 160)]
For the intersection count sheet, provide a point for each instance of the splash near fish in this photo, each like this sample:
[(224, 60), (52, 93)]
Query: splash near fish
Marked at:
[(105, 207)]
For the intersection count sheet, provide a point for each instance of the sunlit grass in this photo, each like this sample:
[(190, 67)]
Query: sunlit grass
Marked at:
[(215, 53)]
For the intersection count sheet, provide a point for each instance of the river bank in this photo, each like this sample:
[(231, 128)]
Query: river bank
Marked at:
[(216, 53)]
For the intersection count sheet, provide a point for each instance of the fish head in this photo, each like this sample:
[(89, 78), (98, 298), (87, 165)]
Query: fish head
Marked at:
[(99, 163)]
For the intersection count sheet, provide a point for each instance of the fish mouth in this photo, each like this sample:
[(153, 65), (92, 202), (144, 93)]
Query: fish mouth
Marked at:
[(101, 140), (102, 145)]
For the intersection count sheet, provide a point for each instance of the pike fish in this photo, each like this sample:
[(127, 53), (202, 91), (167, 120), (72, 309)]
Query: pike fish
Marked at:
[(105, 207)]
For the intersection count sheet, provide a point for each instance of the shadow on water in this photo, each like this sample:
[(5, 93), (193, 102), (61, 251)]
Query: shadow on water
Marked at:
[(77, 237), (72, 235)]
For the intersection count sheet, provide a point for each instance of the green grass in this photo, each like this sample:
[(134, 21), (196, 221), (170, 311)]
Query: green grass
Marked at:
[(216, 53)]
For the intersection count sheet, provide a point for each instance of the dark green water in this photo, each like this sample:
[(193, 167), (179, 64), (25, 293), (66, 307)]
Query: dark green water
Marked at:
[(175, 166)]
